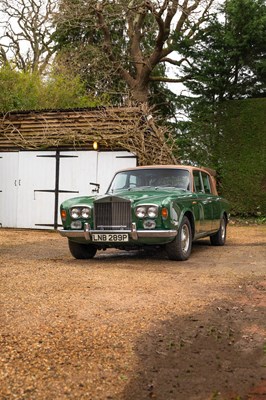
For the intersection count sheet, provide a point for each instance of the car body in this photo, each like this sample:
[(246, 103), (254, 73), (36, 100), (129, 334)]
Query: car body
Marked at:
[(164, 206)]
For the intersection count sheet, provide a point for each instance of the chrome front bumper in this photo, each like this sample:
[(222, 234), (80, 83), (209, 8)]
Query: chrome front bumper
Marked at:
[(133, 233)]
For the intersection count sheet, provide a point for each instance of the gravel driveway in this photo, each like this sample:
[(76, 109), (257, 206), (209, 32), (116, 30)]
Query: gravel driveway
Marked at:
[(131, 326)]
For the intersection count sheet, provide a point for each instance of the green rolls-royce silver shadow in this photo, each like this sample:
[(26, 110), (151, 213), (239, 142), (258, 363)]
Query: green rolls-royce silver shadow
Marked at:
[(163, 206)]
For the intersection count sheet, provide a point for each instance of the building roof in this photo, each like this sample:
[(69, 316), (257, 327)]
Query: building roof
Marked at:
[(67, 129)]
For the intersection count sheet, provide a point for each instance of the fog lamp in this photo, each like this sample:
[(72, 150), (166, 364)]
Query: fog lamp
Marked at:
[(76, 225), (149, 224)]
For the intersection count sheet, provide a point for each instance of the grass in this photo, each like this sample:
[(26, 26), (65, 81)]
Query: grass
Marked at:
[(243, 221)]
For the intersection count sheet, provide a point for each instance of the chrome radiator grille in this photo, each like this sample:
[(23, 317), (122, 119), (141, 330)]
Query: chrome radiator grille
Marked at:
[(112, 215)]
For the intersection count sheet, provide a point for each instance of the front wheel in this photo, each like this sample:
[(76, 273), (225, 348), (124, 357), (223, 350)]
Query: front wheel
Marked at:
[(219, 238), (82, 251), (180, 248)]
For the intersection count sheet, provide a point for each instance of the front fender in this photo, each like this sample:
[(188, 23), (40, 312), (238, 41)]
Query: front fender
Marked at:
[(177, 213)]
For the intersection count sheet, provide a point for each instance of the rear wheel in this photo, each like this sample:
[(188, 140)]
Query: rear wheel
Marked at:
[(180, 248), (220, 237), (82, 251)]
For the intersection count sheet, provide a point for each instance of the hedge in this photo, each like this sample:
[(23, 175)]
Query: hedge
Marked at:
[(241, 151)]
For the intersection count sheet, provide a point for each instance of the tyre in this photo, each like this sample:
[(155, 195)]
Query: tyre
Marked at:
[(219, 238), (81, 251), (180, 248)]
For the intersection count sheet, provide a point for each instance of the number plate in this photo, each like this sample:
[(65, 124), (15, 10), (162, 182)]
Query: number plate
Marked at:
[(110, 237)]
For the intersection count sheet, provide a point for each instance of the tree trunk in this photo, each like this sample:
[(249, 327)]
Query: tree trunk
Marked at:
[(140, 93)]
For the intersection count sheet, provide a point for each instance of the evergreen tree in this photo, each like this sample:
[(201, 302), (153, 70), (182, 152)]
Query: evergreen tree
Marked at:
[(227, 63)]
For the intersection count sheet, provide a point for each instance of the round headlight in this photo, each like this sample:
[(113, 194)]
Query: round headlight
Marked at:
[(141, 212), (153, 212), (75, 213), (85, 212)]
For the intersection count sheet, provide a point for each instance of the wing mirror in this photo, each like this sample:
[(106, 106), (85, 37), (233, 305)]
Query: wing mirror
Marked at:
[(97, 187)]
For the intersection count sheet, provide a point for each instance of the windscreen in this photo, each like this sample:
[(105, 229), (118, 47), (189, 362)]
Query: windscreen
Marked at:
[(145, 178)]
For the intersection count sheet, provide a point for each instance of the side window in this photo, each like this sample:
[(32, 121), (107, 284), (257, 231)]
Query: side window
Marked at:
[(206, 182), (197, 181)]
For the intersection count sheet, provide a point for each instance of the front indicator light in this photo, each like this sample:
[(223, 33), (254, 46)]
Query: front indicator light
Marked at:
[(164, 213), (63, 215)]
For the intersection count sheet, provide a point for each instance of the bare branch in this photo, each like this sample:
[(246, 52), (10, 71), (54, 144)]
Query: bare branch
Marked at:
[(170, 80), (150, 32), (27, 32), (173, 62), (3, 56)]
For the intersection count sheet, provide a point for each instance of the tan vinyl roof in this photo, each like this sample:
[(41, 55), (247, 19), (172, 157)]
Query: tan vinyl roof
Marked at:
[(187, 167)]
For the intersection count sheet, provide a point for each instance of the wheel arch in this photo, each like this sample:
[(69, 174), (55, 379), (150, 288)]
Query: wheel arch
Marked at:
[(190, 216), (226, 215)]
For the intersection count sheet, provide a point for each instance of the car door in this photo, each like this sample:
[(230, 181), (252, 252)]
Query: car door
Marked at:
[(213, 201), (204, 200)]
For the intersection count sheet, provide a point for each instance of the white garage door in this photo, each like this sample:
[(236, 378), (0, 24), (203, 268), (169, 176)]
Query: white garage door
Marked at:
[(9, 185), (34, 184)]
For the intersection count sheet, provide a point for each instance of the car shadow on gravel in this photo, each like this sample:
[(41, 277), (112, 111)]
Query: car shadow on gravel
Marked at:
[(49, 248), (149, 253), (216, 354)]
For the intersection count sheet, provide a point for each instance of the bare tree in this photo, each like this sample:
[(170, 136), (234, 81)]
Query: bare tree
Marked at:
[(26, 33), (137, 36)]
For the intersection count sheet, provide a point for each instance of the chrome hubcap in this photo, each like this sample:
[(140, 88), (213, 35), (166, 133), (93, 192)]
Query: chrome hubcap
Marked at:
[(223, 229), (185, 240)]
